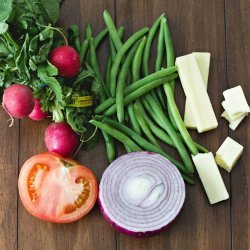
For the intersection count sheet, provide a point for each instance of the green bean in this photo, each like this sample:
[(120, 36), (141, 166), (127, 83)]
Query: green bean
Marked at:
[(133, 119), (110, 58), (136, 65), (131, 113), (112, 49), (134, 86), (121, 82), (94, 65), (158, 61), (146, 54), (154, 76), (125, 47), (140, 92), (142, 142), (112, 30), (144, 126), (162, 121), (110, 146), (116, 134), (107, 71), (170, 61), (88, 31), (201, 148), (158, 132), (169, 48), (84, 49), (178, 120), (161, 134), (99, 37)]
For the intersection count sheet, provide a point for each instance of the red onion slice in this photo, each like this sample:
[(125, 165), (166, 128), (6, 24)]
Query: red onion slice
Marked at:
[(141, 193)]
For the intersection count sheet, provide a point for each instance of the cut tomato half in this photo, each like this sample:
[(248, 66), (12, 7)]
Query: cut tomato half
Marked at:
[(57, 189)]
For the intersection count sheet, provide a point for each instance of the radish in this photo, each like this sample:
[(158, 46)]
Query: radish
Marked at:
[(61, 138), (18, 100), (37, 114), (66, 60), (141, 193)]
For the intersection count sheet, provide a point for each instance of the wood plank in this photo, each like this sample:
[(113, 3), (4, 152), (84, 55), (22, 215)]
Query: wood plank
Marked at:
[(238, 68), (8, 182), (92, 231), (196, 26)]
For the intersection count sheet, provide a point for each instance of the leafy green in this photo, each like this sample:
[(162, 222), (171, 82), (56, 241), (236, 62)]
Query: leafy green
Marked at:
[(5, 10), (3, 28), (27, 35)]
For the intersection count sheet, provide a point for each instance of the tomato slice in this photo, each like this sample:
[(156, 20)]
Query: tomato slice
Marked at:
[(57, 189)]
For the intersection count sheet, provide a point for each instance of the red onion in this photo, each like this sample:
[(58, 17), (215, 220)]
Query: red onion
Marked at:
[(141, 193)]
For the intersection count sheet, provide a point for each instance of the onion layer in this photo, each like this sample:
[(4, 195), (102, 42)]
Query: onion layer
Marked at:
[(141, 193)]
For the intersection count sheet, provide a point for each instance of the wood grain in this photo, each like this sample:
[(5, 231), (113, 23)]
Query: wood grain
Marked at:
[(220, 27), (9, 145), (238, 68)]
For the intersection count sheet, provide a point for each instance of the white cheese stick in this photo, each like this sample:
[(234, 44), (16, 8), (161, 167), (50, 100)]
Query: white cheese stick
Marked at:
[(228, 154), (196, 93), (203, 61), (235, 103), (210, 177), (233, 124)]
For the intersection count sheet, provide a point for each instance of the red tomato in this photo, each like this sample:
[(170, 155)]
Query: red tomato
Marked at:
[(57, 189)]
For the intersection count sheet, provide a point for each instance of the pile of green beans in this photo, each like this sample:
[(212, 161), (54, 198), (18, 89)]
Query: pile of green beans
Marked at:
[(137, 106)]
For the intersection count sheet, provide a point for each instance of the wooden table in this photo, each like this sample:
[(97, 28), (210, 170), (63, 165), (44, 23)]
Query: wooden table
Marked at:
[(220, 27)]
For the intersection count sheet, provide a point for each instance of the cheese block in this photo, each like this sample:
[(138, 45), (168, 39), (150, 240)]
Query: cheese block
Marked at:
[(210, 177), (233, 124), (228, 154), (235, 103), (196, 93), (203, 61)]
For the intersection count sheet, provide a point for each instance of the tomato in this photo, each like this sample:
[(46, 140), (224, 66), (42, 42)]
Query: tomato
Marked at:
[(57, 189)]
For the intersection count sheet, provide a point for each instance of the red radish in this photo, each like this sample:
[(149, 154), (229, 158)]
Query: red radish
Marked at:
[(18, 100), (37, 114), (141, 193), (61, 138), (66, 60)]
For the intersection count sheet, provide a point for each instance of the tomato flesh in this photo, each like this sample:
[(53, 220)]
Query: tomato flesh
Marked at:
[(57, 189)]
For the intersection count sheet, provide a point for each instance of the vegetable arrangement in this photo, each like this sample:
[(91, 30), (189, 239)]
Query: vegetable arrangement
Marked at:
[(45, 72), (36, 58), (142, 101)]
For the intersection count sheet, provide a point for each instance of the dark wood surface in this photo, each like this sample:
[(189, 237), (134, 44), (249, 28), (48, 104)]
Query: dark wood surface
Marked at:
[(220, 27)]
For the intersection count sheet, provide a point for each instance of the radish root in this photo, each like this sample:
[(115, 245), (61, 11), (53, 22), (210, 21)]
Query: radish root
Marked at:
[(11, 117)]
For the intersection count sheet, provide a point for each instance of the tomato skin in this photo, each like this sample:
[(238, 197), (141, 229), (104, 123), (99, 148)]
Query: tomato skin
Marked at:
[(57, 189)]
